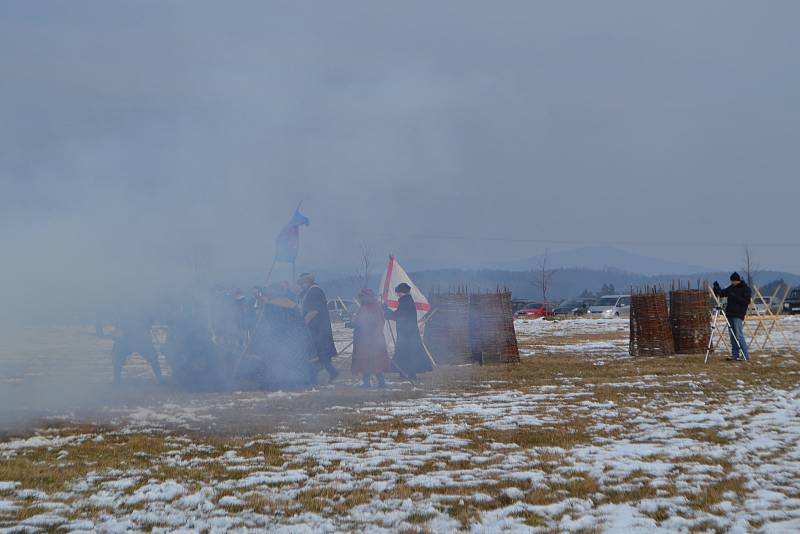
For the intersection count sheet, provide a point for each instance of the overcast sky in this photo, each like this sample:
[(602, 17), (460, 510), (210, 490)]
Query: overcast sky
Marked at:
[(133, 134)]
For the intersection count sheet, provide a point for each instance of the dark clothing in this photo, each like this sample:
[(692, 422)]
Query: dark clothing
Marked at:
[(313, 299), (738, 296), (135, 338), (369, 345), (243, 311), (409, 353), (192, 356), (283, 348)]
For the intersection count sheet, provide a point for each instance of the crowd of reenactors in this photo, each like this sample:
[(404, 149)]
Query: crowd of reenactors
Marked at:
[(277, 337)]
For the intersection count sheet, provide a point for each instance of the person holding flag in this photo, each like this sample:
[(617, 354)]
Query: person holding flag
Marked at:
[(410, 356)]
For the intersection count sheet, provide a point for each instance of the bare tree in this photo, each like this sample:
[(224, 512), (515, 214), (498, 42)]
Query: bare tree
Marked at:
[(750, 267), (543, 277), (364, 269)]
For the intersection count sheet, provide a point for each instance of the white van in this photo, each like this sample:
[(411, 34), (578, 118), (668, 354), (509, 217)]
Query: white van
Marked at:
[(611, 306)]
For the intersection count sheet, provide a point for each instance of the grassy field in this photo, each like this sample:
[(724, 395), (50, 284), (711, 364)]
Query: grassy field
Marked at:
[(577, 437)]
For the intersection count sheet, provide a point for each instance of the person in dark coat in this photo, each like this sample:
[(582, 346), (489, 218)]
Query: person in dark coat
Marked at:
[(409, 354), (135, 338), (370, 356), (282, 344), (191, 353), (314, 305), (738, 294)]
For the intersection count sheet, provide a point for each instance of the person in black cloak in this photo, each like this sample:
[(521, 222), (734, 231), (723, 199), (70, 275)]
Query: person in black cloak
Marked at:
[(409, 354), (282, 344), (191, 352), (318, 319)]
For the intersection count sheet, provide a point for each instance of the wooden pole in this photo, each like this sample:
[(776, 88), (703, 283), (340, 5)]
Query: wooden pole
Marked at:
[(271, 268)]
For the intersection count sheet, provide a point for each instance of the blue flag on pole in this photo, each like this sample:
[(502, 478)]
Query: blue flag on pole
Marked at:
[(288, 243)]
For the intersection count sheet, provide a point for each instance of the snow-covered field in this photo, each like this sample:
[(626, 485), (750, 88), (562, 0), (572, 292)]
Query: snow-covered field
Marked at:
[(577, 437)]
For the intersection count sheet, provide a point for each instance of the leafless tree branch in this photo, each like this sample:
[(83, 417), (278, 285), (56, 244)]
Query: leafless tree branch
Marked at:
[(750, 266), (364, 269), (543, 277)]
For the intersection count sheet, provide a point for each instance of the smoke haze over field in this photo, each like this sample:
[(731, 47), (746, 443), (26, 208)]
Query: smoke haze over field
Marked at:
[(144, 144)]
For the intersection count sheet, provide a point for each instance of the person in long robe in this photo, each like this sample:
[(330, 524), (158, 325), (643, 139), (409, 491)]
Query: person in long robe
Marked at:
[(409, 354), (282, 344), (191, 353), (370, 356), (318, 319)]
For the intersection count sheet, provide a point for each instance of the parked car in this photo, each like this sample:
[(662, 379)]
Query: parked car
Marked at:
[(792, 302), (760, 307), (342, 309), (610, 306), (534, 310), (572, 307), (517, 304)]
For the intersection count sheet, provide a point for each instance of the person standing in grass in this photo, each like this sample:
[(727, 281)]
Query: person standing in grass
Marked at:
[(318, 319), (738, 295), (410, 356), (370, 356)]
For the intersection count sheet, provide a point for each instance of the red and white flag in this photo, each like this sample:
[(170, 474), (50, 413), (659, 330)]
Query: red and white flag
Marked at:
[(394, 276)]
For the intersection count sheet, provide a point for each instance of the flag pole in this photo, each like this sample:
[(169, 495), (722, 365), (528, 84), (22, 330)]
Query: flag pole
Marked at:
[(271, 268)]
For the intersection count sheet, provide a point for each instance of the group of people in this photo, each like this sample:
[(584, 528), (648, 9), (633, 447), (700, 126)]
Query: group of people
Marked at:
[(370, 355), (280, 337)]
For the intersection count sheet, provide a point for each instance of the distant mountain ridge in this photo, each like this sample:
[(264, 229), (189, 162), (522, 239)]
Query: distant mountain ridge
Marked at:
[(566, 282), (601, 258)]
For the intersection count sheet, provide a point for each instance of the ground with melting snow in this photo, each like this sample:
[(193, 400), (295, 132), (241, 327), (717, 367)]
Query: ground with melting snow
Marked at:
[(578, 437)]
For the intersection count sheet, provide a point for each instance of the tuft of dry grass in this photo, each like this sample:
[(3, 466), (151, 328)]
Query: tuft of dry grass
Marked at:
[(565, 436), (708, 434), (712, 493), (269, 452), (419, 517), (662, 513)]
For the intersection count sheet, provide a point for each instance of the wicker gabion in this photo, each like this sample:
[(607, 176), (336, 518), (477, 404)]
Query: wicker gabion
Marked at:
[(447, 333), (650, 331), (689, 316), (492, 332)]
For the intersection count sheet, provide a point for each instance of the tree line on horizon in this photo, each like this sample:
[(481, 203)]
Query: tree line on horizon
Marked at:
[(564, 283)]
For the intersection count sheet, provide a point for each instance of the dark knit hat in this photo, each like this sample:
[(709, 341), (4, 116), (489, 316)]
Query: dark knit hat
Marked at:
[(402, 288), (735, 277)]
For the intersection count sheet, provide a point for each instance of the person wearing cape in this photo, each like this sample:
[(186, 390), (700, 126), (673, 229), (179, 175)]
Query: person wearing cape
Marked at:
[(282, 346), (409, 355), (314, 306), (370, 356)]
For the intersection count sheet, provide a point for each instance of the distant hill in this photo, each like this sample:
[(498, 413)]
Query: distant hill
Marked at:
[(601, 258), (567, 282)]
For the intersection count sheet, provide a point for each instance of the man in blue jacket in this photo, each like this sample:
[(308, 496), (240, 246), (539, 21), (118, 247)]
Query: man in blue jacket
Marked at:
[(738, 295)]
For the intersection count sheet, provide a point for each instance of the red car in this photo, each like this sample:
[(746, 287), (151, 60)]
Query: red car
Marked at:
[(534, 310)]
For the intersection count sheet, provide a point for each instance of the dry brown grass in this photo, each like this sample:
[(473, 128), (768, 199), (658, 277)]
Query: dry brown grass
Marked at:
[(531, 519), (316, 500), (419, 517), (713, 493), (708, 435), (270, 453), (566, 436), (40, 468)]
